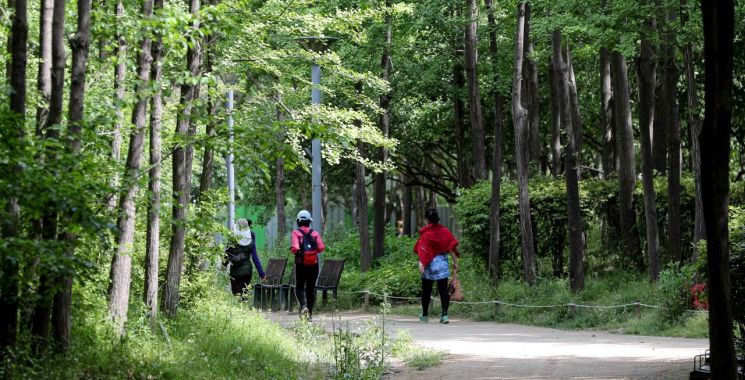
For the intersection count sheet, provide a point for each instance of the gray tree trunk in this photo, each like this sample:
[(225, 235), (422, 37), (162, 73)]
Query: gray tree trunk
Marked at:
[(379, 186), (361, 203), (152, 251), (182, 175), (406, 207), (44, 76), (474, 94), (626, 161), (645, 73), (496, 180), (556, 161), (121, 267), (531, 92), (279, 183), (520, 119), (606, 110), (465, 178), (718, 20), (119, 90), (571, 165)]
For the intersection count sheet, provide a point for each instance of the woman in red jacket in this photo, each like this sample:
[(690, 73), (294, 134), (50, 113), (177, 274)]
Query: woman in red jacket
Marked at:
[(306, 244)]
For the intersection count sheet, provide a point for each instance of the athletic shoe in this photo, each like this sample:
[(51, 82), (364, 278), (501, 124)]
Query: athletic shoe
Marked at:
[(304, 313), (423, 319), (444, 320)]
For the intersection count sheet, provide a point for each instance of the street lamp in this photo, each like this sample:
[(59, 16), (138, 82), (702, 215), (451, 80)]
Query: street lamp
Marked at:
[(230, 79), (316, 44)]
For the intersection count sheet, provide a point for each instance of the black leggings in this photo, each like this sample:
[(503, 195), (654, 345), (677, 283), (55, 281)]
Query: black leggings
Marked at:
[(238, 283), (442, 288), (305, 285)]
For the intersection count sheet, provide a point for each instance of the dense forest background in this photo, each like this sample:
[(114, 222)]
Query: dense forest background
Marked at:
[(567, 135)]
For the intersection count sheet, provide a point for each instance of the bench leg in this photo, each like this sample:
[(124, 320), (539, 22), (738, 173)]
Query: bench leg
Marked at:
[(325, 297)]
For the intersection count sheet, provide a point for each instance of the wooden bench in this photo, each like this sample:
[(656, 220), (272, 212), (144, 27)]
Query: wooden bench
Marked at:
[(328, 279), (275, 271)]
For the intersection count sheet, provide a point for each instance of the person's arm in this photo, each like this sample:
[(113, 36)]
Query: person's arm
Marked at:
[(455, 260), (294, 242), (255, 257), (319, 242)]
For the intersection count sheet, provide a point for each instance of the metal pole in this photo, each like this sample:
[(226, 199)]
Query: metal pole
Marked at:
[(316, 151), (229, 163)]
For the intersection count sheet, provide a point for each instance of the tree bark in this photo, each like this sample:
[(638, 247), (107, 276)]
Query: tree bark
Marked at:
[(672, 123), (496, 180), (718, 19), (626, 161), (406, 206), (465, 178), (519, 117), (694, 125), (182, 175), (44, 76), (531, 92), (474, 94), (645, 73), (379, 186), (556, 162), (361, 204), (121, 267), (606, 110), (279, 184), (152, 252), (571, 165), (9, 268), (659, 133), (574, 106), (119, 90)]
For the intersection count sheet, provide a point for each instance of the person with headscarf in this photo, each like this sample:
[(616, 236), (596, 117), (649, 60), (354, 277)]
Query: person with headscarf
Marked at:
[(238, 253), (434, 245)]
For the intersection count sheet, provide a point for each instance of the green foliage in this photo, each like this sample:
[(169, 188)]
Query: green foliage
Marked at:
[(674, 285), (416, 357)]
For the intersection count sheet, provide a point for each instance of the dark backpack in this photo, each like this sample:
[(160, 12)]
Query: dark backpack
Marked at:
[(237, 254), (308, 244)]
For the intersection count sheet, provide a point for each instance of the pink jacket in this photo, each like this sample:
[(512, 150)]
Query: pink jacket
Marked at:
[(296, 237)]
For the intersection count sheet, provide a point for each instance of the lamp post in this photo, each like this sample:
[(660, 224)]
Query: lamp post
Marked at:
[(230, 80), (316, 44)]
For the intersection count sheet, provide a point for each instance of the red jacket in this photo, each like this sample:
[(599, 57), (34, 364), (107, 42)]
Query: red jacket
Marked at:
[(311, 257), (434, 239)]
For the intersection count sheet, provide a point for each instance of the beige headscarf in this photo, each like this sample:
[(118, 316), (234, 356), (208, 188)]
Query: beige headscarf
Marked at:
[(243, 232)]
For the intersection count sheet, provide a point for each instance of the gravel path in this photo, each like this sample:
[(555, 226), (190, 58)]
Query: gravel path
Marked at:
[(488, 350)]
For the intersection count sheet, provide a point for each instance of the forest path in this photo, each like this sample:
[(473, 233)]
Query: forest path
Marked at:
[(488, 350)]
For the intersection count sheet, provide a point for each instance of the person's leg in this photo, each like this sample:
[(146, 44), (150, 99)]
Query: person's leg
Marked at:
[(442, 288), (235, 285), (310, 286), (426, 295), (300, 285)]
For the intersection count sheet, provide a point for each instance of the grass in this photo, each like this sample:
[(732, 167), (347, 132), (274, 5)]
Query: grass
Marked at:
[(414, 356)]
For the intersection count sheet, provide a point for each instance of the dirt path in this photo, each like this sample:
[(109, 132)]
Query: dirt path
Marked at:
[(488, 350)]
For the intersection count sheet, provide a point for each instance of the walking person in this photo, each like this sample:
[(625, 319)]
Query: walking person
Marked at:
[(306, 244), (238, 253), (433, 247)]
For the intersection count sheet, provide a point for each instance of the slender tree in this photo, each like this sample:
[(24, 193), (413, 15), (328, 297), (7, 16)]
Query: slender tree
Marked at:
[(152, 250), (465, 177), (646, 76), (626, 160), (182, 174), (9, 269), (571, 166), (606, 110), (474, 94), (556, 162), (496, 179), (406, 205), (520, 117), (719, 22), (119, 90), (44, 76), (530, 87), (379, 185), (279, 182)]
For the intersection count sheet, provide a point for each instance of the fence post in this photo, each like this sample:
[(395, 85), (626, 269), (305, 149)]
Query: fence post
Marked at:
[(572, 308), (367, 299), (638, 309)]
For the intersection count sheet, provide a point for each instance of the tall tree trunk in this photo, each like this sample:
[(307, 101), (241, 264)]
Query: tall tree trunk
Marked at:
[(43, 308), (121, 267), (119, 90), (182, 175), (205, 178), (531, 92), (672, 123), (44, 76), (553, 73), (520, 118), (718, 17), (9, 269), (152, 251), (571, 165), (496, 180), (626, 161), (379, 186), (279, 184), (694, 125), (659, 132), (62, 307), (361, 203), (645, 73), (474, 94), (574, 106), (464, 168), (606, 110), (406, 207)]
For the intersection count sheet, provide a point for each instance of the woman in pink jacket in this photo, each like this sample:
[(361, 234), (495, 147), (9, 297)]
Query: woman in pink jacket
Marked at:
[(306, 244)]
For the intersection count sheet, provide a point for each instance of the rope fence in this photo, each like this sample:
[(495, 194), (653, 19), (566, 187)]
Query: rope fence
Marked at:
[(572, 306)]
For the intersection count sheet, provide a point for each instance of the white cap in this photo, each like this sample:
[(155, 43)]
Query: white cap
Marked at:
[(304, 215)]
